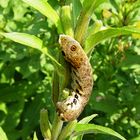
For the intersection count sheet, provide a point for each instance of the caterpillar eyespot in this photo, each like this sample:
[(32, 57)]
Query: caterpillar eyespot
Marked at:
[(73, 48), (82, 81)]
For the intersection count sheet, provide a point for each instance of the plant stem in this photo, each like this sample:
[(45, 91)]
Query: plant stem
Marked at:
[(67, 130), (56, 128), (81, 27)]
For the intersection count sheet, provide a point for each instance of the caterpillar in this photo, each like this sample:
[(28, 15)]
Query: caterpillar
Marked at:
[(82, 81)]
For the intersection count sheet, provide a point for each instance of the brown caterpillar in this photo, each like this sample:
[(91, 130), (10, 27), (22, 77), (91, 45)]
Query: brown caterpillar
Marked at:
[(82, 81)]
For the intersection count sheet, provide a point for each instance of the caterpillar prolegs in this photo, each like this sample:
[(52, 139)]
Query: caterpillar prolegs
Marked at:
[(82, 81)]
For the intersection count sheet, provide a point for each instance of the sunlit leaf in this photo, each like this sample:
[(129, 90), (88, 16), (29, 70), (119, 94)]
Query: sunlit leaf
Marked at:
[(34, 42), (45, 8), (67, 130), (56, 127), (4, 3), (76, 8), (45, 124), (84, 18), (98, 37), (138, 27), (137, 138), (3, 107), (66, 20), (95, 3), (87, 119), (35, 137), (3, 135), (25, 39), (92, 128)]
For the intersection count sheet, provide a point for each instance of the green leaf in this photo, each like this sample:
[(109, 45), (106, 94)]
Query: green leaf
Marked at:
[(4, 3), (87, 119), (132, 61), (35, 137), (55, 87), (19, 11), (115, 4), (25, 39), (3, 135), (13, 116), (14, 93), (84, 18), (56, 127), (34, 42), (67, 131), (45, 8), (136, 138), (76, 8), (45, 124), (95, 3), (3, 107), (96, 27), (31, 114), (98, 37), (66, 20), (92, 128)]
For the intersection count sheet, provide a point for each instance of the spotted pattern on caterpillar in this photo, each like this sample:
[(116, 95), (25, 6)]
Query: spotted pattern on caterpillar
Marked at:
[(82, 81)]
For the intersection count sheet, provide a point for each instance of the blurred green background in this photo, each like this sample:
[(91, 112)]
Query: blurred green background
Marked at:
[(26, 75)]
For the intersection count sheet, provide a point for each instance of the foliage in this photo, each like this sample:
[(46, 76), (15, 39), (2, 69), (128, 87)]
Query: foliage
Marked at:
[(32, 77)]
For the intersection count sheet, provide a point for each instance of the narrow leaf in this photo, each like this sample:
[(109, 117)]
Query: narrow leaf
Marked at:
[(56, 127), (84, 18), (34, 42), (67, 131), (35, 136), (136, 138), (87, 119), (55, 88), (76, 8), (44, 7), (96, 27), (25, 39), (45, 124), (92, 128), (95, 3), (2, 134), (98, 37), (66, 20)]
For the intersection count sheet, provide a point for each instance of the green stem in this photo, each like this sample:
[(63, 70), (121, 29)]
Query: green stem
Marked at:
[(67, 131), (66, 20), (56, 128), (81, 27), (55, 88)]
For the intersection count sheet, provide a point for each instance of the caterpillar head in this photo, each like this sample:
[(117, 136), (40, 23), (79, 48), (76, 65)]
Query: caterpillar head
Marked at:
[(71, 50)]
